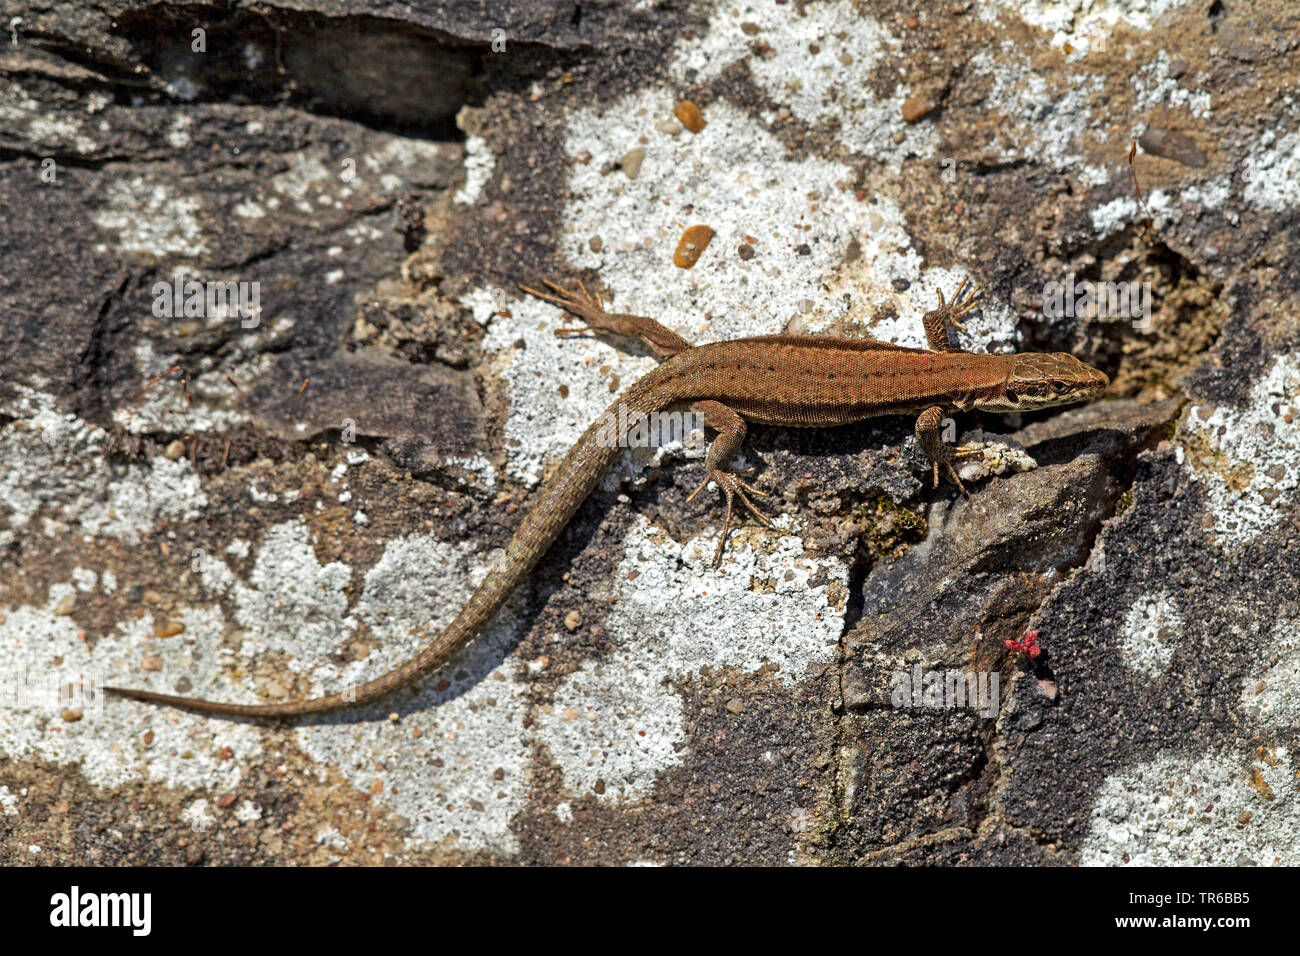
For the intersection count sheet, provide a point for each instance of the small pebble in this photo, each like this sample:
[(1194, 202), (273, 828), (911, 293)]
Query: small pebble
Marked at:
[(916, 108), (175, 450), (746, 251), (689, 115), (572, 620), (692, 245), (595, 243), (151, 663), (168, 629), (631, 162), (1171, 144), (735, 706), (72, 716)]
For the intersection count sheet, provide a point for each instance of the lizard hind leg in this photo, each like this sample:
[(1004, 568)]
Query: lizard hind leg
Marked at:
[(577, 302), (929, 437), (731, 434), (588, 307)]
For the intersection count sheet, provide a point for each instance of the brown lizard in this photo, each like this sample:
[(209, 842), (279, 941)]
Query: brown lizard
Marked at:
[(792, 380)]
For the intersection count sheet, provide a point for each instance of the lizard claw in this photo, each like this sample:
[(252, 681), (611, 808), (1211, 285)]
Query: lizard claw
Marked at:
[(733, 487), (956, 479)]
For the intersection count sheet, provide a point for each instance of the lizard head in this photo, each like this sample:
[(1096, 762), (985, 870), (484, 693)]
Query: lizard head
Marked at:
[(1042, 379)]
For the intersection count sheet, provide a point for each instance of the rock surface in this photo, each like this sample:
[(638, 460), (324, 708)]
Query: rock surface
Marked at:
[(272, 503)]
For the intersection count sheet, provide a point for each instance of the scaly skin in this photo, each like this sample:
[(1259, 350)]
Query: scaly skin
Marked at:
[(792, 380)]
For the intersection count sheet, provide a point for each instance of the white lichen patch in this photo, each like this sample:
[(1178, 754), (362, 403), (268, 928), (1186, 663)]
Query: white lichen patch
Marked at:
[(151, 218), (1154, 86), (291, 603), (615, 724), (1045, 122), (1219, 809), (821, 61), (1151, 630), (49, 132), (1272, 695), (199, 816), (403, 162), (57, 466), (212, 404), (8, 802), (115, 741), (1273, 176), (483, 471), (557, 387), (820, 254), (454, 764), (479, 163), (308, 183), (1083, 25), (1247, 460)]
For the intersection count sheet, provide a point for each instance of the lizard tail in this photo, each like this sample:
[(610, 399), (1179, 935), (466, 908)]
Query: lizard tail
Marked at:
[(477, 612), (560, 497)]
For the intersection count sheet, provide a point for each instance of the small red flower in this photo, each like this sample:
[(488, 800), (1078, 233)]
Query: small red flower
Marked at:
[(1028, 646)]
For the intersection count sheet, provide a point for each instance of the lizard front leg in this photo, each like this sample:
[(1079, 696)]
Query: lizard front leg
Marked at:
[(947, 318), (582, 304), (717, 465), (932, 444)]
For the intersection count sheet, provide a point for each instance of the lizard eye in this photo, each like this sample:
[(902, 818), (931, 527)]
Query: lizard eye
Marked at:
[(1060, 388)]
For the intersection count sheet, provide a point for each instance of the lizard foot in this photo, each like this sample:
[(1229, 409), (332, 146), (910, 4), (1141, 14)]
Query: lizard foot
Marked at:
[(589, 309), (956, 480), (963, 304), (964, 451), (733, 487), (961, 451), (579, 303)]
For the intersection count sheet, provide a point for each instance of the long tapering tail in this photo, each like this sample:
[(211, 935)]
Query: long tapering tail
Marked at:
[(560, 497)]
